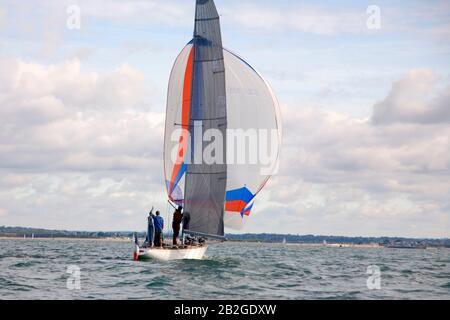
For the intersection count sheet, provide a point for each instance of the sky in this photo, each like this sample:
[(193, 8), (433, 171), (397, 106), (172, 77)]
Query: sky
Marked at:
[(365, 106)]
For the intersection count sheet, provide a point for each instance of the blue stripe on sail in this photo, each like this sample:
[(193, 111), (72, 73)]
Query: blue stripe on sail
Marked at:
[(242, 194), (247, 209), (179, 176)]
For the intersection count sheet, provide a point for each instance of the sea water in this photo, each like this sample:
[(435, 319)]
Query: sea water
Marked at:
[(75, 269)]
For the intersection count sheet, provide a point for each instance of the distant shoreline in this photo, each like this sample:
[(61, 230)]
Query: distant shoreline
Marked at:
[(66, 238), (251, 243), (290, 239), (314, 245)]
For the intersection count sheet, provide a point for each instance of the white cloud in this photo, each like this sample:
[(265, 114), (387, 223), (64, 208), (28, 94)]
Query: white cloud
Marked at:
[(61, 117), (331, 19), (414, 99), (167, 12), (121, 88), (78, 149), (308, 19), (350, 176), (73, 157)]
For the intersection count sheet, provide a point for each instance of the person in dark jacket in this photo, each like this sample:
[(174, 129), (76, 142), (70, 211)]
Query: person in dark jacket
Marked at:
[(150, 229), (176, 224), (186, 221)]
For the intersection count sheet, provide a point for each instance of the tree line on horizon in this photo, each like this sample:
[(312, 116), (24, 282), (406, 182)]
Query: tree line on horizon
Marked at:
[(262, 237)]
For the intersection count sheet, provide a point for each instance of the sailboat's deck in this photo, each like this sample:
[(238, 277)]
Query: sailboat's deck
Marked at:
[(167, 247)]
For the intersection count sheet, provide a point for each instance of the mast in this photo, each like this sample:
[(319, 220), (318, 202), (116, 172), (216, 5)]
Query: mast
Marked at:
[(205, 184)]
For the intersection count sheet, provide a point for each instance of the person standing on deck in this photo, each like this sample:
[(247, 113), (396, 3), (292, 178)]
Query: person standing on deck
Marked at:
[(186, 220), (176, 224), (159, 227), (150, 229)]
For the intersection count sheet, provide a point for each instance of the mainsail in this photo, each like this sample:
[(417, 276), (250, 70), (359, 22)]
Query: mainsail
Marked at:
[(211, 88)]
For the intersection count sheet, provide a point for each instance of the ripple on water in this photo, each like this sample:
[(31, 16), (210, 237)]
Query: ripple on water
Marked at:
[(351, 295), (126, 283), (285, 266), (15, 286), (116, 258), (407, 272), (25, 264), (209, 265), (158, 282), (288, 285)]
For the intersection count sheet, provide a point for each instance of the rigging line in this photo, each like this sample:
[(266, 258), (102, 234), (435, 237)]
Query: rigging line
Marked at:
[(170, 202)]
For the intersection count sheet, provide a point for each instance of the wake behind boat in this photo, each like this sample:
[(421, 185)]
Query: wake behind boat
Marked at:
[(220, 112)]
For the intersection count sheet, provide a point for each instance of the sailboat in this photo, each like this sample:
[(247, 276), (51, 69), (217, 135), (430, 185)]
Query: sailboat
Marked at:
[(214, 98)]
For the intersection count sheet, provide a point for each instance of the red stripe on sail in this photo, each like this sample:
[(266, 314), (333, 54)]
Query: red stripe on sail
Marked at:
[(235, 206), (185, 117)]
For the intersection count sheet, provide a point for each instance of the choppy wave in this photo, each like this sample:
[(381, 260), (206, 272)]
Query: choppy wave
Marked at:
[(39, 270)]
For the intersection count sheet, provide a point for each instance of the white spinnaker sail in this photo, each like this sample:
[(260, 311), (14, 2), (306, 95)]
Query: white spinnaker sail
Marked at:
[(251, 107)]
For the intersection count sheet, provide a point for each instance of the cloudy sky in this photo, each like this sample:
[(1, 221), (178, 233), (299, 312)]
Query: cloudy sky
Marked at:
[(366, 112)]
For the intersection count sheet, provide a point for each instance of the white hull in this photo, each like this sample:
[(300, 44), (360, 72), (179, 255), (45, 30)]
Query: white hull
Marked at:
[(190, 253)]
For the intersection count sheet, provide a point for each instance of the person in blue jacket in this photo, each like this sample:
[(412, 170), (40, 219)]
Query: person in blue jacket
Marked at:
[(158, 223)]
